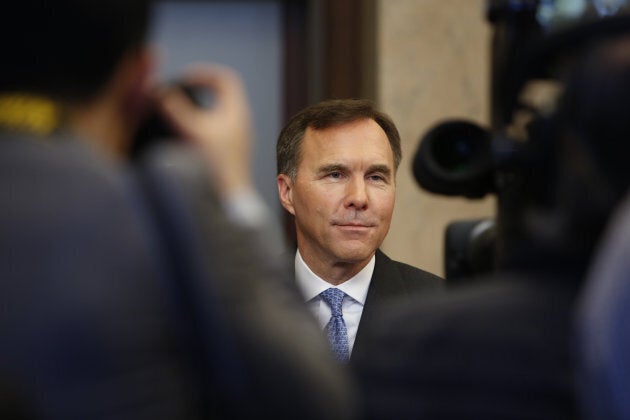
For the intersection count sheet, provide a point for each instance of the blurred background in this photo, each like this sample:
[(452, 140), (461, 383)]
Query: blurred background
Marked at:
[(422, 61)]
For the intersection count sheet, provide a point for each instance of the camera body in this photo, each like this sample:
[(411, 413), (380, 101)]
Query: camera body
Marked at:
[(154, 127), (521, 156)]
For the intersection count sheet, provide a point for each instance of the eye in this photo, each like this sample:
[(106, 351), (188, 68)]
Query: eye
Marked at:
[(377, 178), (335, 175)]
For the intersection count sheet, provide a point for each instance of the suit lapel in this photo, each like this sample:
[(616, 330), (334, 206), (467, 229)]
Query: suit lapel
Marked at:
[(386, 283)]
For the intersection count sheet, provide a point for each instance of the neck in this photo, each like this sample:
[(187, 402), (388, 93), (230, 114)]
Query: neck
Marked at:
[(333, 271), (100, 124)]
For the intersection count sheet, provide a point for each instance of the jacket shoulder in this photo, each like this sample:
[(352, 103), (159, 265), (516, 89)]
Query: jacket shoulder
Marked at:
[(413, 277)]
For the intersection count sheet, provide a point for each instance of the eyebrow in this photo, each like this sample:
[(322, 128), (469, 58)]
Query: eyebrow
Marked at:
[(333, 167), (384, 169)]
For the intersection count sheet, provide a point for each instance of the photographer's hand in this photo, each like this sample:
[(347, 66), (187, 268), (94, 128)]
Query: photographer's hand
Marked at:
[(222, 132)]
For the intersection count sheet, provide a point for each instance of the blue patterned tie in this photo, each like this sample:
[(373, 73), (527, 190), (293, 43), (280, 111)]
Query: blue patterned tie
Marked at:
[(336, 328)]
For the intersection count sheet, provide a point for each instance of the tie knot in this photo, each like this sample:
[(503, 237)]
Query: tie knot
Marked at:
[(333, 298)]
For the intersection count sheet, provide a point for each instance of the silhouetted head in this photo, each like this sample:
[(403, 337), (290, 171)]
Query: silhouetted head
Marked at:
[(67, 49)]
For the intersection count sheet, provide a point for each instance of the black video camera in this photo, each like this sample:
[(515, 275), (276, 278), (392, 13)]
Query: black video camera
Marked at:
[(534, 43)]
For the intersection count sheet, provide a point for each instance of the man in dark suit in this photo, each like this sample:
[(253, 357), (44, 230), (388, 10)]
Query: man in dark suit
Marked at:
[(133, 289), (337, 163)]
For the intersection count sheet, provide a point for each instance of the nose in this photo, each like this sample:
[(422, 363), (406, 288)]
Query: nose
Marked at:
[(356, 194)]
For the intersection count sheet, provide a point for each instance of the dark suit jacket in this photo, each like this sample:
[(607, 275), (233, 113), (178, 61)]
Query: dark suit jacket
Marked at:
[(391, 279)]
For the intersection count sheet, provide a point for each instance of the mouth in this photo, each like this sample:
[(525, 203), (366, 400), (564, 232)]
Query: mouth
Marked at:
[(353, 232), (358, 226)]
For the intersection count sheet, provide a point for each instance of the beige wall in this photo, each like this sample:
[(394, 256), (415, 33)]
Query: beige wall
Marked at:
[(432, 63)]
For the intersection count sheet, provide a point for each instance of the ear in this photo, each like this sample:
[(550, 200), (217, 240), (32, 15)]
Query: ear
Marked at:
[(285, 192), (136, 74)]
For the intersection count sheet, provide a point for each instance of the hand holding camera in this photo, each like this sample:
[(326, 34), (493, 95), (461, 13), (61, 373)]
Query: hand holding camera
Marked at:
[(208, 107)]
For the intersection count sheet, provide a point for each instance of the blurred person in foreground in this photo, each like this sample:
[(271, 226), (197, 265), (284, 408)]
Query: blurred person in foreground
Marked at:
[(337, 163), (505, 347), (137, 288), (602, 319)]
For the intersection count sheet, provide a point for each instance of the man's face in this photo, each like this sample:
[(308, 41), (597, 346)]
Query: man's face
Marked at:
[(343, 195)]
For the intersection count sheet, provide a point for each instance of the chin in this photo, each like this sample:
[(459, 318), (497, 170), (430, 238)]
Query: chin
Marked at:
[(355, 255)]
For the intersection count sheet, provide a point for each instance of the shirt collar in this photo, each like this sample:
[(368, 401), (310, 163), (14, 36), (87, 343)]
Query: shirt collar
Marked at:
[(311, 285)]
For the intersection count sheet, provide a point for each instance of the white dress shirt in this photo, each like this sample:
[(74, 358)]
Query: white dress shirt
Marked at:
[(355, 288)]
